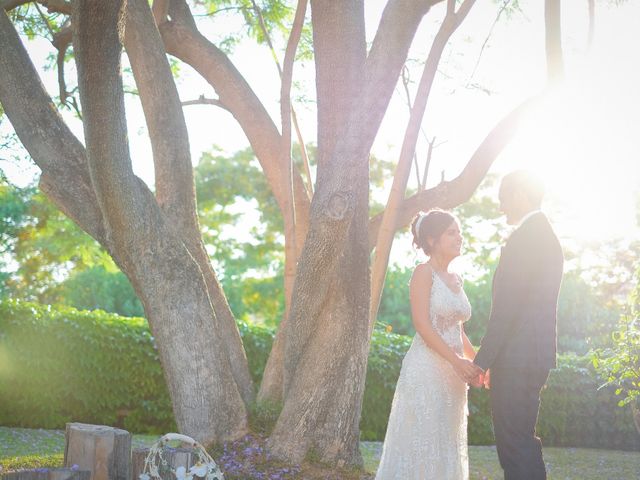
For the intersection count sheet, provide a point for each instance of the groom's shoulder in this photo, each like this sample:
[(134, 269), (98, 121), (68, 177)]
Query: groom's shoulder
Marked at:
[(533, 228), (541, 228)]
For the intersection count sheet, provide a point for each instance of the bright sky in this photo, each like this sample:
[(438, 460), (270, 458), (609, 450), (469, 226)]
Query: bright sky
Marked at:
[(585, 143)]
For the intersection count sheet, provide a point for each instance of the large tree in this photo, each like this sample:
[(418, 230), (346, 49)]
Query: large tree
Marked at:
[(318, 363)]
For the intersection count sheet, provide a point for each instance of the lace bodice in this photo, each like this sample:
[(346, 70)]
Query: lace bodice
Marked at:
[(448, 311)]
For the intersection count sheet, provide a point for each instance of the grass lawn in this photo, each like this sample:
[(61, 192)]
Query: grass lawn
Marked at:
[(26, 448)]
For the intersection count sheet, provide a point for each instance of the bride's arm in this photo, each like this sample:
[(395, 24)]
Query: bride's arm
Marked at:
[(419, 294), (467, 346)]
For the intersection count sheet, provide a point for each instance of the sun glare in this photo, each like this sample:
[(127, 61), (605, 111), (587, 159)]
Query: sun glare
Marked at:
[(578, 141)]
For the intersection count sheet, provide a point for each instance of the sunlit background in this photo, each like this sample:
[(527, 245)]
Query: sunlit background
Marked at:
[(583, 140)]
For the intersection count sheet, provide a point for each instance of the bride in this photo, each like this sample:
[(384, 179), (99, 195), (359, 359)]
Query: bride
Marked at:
[(427, 431)]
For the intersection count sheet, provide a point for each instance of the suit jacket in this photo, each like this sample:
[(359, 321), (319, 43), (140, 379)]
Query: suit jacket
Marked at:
[(522, 325)]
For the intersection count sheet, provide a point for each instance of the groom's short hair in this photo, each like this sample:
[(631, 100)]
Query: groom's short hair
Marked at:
[(526, 182)]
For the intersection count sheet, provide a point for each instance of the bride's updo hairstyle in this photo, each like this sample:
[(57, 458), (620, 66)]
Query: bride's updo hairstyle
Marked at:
[(430, 225)]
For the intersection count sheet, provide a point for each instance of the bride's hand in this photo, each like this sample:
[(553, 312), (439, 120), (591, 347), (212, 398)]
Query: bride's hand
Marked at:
[(466, 369)]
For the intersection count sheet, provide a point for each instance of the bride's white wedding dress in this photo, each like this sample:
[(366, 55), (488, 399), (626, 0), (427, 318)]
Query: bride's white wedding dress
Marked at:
[(427, 431)]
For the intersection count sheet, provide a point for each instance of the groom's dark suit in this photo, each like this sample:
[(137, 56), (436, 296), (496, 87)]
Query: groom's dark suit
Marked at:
[(520, 344)]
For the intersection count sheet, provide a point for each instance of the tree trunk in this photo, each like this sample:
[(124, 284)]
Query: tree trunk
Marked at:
[(117, 209), (398, 25), (175, 188), (323, 392), (324, 366), (170, 284)]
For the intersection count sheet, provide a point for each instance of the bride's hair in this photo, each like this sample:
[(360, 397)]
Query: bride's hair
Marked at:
[(430, 225)]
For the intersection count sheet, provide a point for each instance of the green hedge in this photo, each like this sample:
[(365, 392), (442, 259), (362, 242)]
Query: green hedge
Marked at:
[(59, 364)]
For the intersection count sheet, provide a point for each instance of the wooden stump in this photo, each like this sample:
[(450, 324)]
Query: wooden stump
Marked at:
[(48, 474), (175, 457), (105, 451)]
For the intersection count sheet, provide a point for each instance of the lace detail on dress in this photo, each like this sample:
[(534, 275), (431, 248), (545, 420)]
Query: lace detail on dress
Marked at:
[(427, 431), (449, 310)]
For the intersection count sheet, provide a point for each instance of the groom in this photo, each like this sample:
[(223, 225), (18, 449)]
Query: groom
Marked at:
[(519, 347)]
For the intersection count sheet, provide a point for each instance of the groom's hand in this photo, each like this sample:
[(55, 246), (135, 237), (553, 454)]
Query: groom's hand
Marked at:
[(487, 379)]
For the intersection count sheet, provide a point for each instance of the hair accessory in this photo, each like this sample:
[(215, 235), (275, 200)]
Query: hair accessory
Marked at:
[(418, 223)]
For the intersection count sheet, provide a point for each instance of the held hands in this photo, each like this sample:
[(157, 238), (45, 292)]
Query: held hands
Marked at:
[(469, 372), (472, 374), (487, 379), (482, 380)]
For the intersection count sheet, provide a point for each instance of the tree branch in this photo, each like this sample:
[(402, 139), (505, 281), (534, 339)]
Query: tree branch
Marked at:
[(175, 190), (394, 36), (56, 6), (160, 10), (183, 40), (123, 198), (286, 110), (387, 229), (62, 40), (57, 152), (592, 23), (486, 40), (340, 55), (267, 37), (202, 100), (457, 191)]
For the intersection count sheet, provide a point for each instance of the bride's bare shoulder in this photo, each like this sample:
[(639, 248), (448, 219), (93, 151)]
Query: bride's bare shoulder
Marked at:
[(422, 274)]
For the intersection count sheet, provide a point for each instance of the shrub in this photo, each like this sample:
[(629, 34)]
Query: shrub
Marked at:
[(58, 364)]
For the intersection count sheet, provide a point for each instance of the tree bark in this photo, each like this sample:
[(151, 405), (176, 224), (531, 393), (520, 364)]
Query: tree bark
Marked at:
[(174, 295), (40, 128), (323, 392), (175, 188), (170, 284), (271, 387), (183, 40), (331, 293)]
